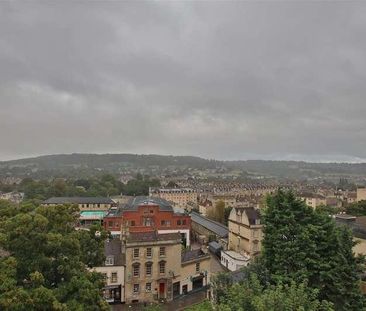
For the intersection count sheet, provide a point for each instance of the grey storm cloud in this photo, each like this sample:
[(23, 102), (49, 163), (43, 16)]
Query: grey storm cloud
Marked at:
[(229, 80)]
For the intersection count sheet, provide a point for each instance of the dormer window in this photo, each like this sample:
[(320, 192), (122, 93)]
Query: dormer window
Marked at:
[(109, 261)]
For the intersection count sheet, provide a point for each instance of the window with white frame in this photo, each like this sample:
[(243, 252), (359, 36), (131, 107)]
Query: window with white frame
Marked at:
[(109, 261)]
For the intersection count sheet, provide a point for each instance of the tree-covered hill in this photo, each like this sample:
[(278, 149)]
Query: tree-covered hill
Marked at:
[(77, 164)]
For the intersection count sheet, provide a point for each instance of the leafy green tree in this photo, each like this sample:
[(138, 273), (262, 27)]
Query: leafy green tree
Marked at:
[(250, 295), (302, 245), (330, 210), (152, 307), (92, 245), (217, 213), (220, 283), (357, 208), (203, 306), (46, 264)]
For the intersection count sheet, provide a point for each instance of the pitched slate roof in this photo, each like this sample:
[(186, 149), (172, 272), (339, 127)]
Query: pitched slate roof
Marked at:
[(78, 200), (114, 248), (252, 214), (215, 246), (135, 202), (213, 226)]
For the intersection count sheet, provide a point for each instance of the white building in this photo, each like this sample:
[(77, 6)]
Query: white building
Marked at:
[(234, 261), (113, 271)]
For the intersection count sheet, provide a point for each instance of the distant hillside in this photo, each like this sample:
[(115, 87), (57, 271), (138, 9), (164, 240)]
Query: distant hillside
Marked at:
[(88, 164), (79, 165), (296, 169)]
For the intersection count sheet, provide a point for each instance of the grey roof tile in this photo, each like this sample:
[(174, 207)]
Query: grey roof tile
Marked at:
[(214, 226)]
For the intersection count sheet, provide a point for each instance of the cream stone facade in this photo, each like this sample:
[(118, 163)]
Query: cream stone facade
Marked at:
[(204, 207), (245, 231), (313, 199), (179, 196), (361, 194), (154, 264), (158, 270), (195, 272), (84, 203), (114, 283), (229, 200)]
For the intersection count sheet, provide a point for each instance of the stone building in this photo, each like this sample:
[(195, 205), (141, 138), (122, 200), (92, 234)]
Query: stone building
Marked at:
[(158, 270), (245, 231), (154, 264), (205, 207), (148, 214), (84, 203), (195, 272), (313, 199), (92, 209), (361, 194), (113, 271), (178, 196)]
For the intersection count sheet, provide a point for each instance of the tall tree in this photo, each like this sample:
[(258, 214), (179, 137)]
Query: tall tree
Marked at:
[(46, 264), (303, 245), (217, 213)]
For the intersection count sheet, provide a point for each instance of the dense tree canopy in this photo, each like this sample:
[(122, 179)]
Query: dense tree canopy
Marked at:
[(251, 295), (303, 245), (357, 208), (217, 212), (105, 185), (45, 266), (307, 263)]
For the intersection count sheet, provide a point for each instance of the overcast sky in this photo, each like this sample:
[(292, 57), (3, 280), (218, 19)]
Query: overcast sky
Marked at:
[(226, 80)]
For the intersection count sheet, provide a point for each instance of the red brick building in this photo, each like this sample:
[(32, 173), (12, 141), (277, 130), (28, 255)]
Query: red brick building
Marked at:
[(146, 214)]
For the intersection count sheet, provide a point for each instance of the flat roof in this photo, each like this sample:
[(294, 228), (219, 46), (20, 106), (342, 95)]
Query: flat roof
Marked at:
[(78, 200), (345, 216), (235, 255)]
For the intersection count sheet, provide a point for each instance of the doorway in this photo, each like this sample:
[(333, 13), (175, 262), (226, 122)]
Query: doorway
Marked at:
[(176, 289), (162, 290)]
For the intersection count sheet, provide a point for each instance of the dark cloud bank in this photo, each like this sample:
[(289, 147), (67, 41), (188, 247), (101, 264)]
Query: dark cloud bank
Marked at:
[(226, 80)]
